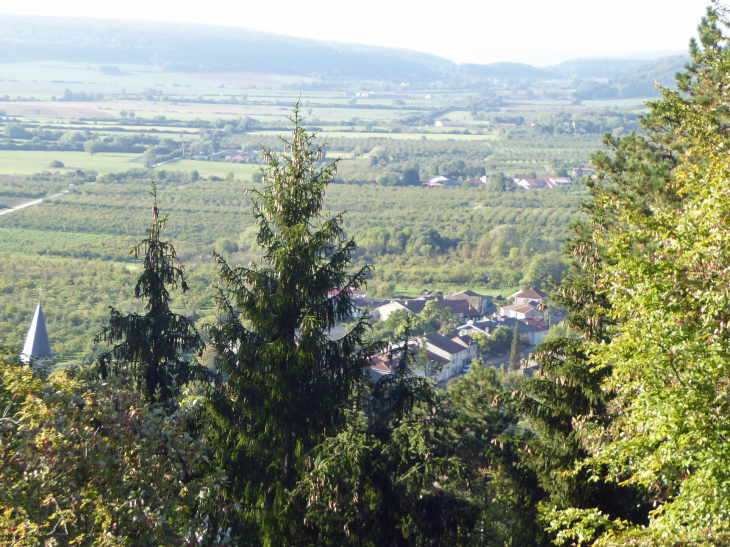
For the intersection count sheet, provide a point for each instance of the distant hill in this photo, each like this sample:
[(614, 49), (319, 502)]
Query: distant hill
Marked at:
[(635, 82), (182, 47), (503, 71), (661, 70), (594, 68)]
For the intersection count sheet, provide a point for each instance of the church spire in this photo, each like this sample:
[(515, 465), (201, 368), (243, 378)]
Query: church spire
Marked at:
[(37, 344)]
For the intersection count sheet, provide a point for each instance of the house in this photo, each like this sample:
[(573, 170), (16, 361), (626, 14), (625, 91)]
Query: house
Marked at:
[(468, 342), (432, 184), (382, 365), (358, 298), (446, 123), (529, 295), (386, 309), (354, 293), (541, 330), (577, 171), (530, 182), (483, 304), (485, 327), (555, 182), (224, 154), (461, 308), (520, 311), (438, 179), (536, 329), (436, 368), (360, 304), (527, 184), (455, 353)]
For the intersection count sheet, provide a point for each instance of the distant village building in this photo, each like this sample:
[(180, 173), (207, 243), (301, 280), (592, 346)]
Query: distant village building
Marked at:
[(529, 182), (482, 303), (536, 329), (527, 304), (577, 171), (461, 308), (446, 123), (529, 295), (453, 355)]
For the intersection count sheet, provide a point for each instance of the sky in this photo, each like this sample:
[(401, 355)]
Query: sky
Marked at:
[(539, 32)]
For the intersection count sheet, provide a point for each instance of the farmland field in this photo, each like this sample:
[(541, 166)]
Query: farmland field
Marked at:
[(77, 246)]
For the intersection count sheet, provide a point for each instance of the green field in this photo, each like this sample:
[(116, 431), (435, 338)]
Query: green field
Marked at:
[(14, 162), (20, 162)]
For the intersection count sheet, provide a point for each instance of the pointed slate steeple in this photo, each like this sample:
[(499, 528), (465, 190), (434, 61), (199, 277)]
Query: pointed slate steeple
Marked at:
[(37, 343)]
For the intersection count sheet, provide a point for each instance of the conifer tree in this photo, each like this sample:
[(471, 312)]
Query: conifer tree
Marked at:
[(153, 345), (284, 385), (516, 354)]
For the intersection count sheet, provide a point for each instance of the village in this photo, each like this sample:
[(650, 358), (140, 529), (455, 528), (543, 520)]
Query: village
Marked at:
[(442, 356)]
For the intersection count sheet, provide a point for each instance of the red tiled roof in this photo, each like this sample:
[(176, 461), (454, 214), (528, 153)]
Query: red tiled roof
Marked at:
[(539, 324), (355, 293)]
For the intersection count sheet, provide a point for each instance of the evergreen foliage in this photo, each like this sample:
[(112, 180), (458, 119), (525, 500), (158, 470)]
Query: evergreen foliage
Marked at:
[(283, 386), (153, 346), (393, 476)]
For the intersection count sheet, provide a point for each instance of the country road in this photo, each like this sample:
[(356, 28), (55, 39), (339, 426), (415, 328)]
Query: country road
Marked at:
[(31, 203)]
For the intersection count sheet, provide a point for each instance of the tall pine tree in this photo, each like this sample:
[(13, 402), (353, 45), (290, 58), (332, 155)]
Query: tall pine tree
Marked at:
[(284, 385), (156, 346)]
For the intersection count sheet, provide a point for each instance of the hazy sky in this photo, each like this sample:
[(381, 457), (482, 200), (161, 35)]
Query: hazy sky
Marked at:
[(476, 31)]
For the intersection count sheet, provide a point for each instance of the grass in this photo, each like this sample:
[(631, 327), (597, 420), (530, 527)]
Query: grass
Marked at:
[(412, 291), (26, 162)]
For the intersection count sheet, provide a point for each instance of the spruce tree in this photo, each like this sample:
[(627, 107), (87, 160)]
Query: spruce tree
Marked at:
[(516, 354), (154, 346), (284, 385)]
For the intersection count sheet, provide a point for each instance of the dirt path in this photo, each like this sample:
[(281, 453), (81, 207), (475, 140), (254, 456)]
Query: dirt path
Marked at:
[(31, 203)]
